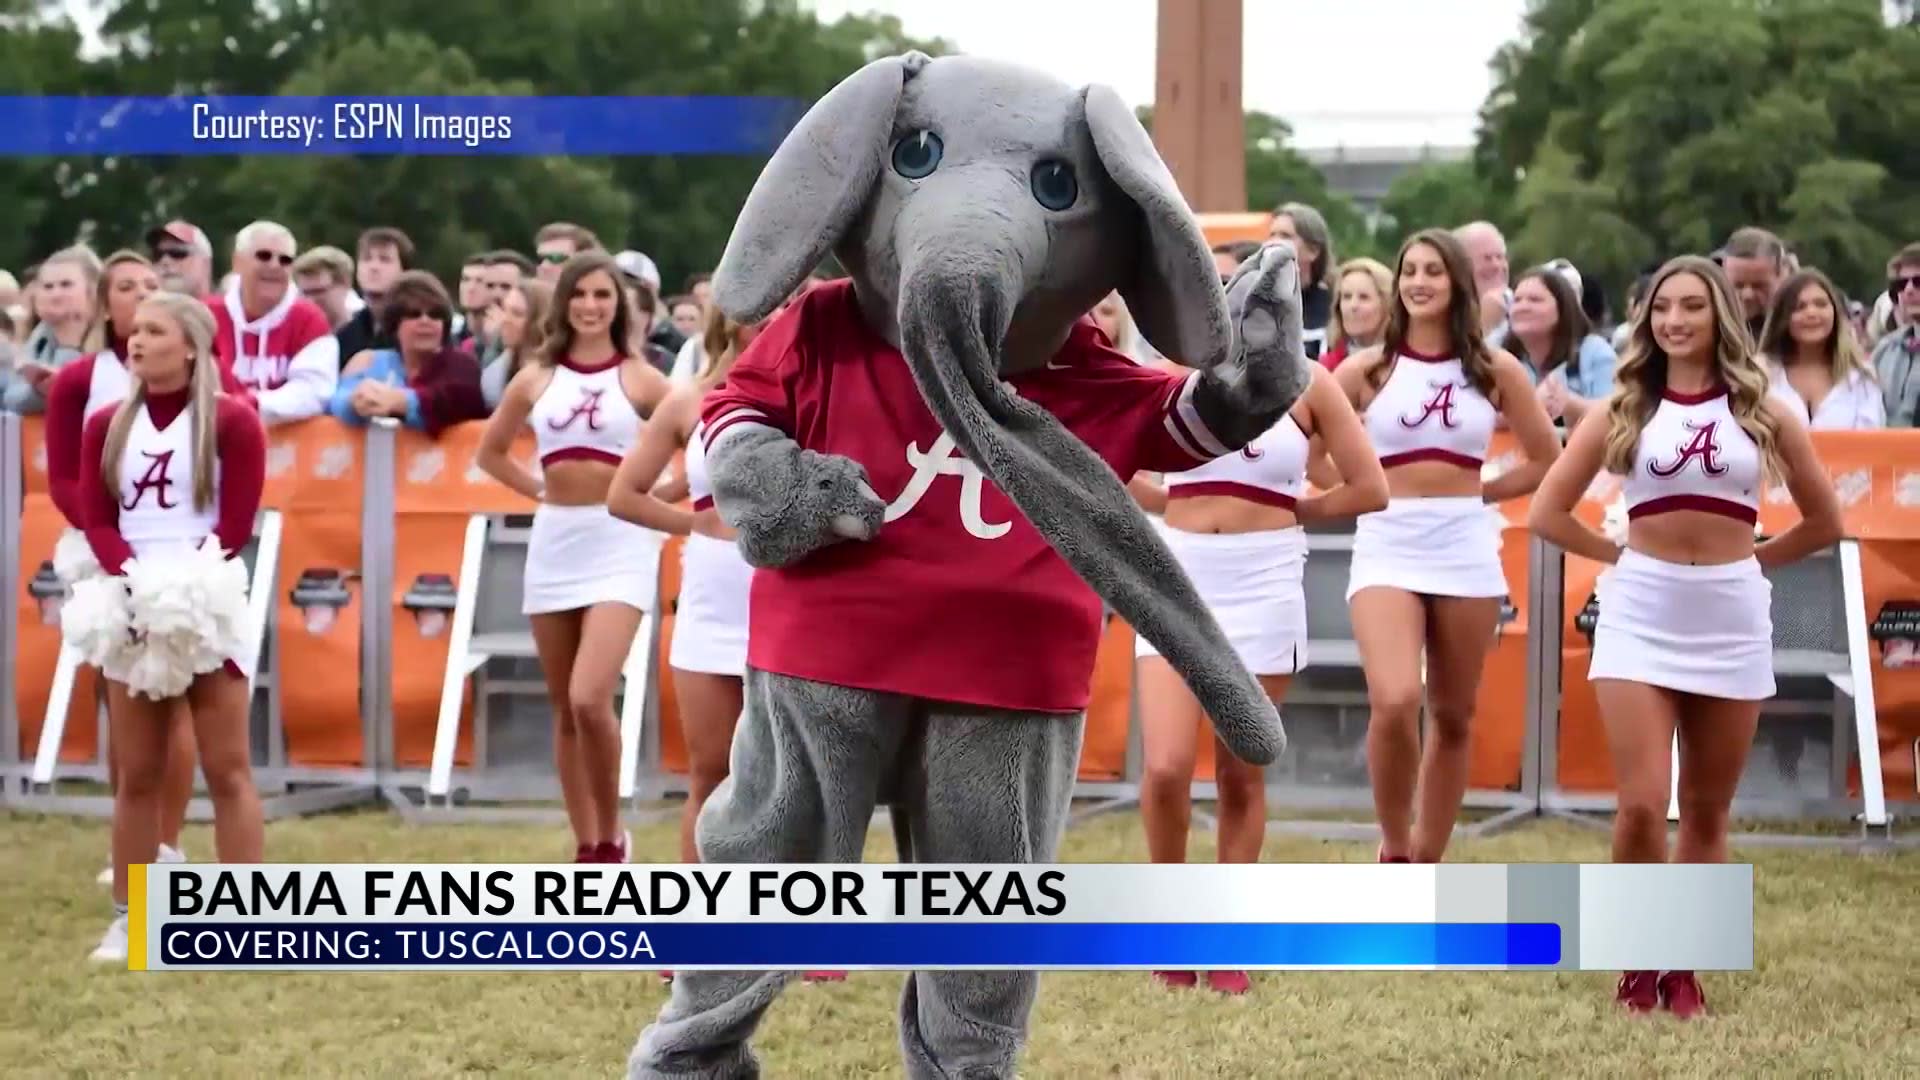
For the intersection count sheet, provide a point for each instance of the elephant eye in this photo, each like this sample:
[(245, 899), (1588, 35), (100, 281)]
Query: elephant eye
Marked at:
[(916, 156), (1054, 185)]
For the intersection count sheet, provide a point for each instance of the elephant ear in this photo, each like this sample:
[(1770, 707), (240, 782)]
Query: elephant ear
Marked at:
[(1174, 295), (812, 189)]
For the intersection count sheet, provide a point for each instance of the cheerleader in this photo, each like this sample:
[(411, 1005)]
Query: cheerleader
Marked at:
[(587, 578), (79, 390), (1426, 577), (1236, 526), (174, 467), (1684, 641), (708, 653)]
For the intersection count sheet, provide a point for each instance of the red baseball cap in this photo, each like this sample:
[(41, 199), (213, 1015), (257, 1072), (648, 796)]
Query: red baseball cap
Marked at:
[(183, 232)]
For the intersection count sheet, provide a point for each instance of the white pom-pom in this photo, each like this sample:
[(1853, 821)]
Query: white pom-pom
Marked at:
[(96, 621), (190, 609), (73, 558)]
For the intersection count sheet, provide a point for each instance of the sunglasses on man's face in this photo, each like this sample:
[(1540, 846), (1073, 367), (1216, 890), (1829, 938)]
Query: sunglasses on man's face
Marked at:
[(272, 257), (172, 253), (1898, 285), (554, 258)]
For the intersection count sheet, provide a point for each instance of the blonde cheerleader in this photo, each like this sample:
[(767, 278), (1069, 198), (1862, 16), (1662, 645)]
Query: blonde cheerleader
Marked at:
[(168, 494)]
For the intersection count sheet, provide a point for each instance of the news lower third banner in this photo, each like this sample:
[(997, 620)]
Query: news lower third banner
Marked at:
[(526, 126), (1534, 917)]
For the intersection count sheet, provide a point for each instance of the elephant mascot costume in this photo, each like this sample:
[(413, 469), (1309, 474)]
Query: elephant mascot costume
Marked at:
[(925, 464)]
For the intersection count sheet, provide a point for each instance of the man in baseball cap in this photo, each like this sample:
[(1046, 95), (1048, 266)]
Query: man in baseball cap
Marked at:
[(643, 277), (639, 268), (183, 256)]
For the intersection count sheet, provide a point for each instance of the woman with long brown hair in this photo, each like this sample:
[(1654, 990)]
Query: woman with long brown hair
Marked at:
[(1814, 361), (1236, 525), (1426, 579), (176, 465), (586, 397), (516, 324), (1684, 642)]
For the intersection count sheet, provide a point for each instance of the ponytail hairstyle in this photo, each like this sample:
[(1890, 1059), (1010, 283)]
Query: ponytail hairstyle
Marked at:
[(203, 380), (1641, 379), (719, 347), (1463, 314)]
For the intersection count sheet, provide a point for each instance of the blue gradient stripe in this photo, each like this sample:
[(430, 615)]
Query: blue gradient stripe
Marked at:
[(454, 126), (895, 946)]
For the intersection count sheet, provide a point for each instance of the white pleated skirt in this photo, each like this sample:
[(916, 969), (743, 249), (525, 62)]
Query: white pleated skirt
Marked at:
[(1704, 630), (710, 620), (1434, 547), (1251, 582), (579, 556)]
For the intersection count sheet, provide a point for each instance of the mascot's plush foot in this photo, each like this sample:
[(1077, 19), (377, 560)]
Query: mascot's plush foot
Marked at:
[(825, 976), (1177, 980)]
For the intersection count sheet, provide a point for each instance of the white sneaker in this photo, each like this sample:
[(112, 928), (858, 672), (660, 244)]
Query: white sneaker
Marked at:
[(170, 854), (113, 945)]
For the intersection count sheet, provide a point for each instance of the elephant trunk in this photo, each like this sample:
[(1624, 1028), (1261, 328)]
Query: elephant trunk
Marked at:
[(956, 304)]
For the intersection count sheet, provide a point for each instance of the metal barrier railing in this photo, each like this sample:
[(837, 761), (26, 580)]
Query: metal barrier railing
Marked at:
[(1823, 662)]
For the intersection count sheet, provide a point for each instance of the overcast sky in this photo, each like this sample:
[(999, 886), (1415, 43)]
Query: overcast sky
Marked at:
[(1355, 72), (1352, 72)]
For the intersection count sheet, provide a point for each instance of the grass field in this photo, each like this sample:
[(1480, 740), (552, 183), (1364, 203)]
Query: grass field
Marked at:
[(1836, 991)]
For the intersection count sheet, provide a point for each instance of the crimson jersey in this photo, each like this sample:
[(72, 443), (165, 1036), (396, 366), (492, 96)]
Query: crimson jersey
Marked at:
[(958, 598)]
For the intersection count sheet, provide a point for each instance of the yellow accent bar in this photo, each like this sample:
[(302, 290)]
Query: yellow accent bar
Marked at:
[(137, 918)]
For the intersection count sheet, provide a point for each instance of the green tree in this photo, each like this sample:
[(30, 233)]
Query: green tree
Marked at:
[(678, 209), (1444, 194), (1277, 173), (1683, 122), (39, 54), (450, 207)]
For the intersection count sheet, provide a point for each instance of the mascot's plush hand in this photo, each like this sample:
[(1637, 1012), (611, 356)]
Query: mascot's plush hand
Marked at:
[(800, 502), (1267, 367)]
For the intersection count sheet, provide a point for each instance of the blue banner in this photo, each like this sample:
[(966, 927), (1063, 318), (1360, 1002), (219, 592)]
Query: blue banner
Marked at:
[(422, 126), (856, 946)]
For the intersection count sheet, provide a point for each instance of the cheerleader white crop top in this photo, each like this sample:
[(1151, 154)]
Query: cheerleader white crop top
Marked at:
[(699, 487), (1694, 456), (1428, 411), (1271, 470), (156, 486), (584, 414)]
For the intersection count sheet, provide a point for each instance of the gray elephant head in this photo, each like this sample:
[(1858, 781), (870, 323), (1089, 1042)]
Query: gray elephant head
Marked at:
[(980, 209)]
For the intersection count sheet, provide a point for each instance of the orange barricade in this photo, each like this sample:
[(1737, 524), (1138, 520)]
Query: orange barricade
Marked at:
[(315, 478), (1103, 750), (1877, 476), (37, 649), (437, 487)]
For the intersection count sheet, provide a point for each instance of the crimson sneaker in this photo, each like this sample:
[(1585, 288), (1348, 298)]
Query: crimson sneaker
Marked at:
[(1639, 991), (1179, 980), (825, 976), (1680, 992), (1381, 856), (586, 853), (666, 976), (1234, 983)]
